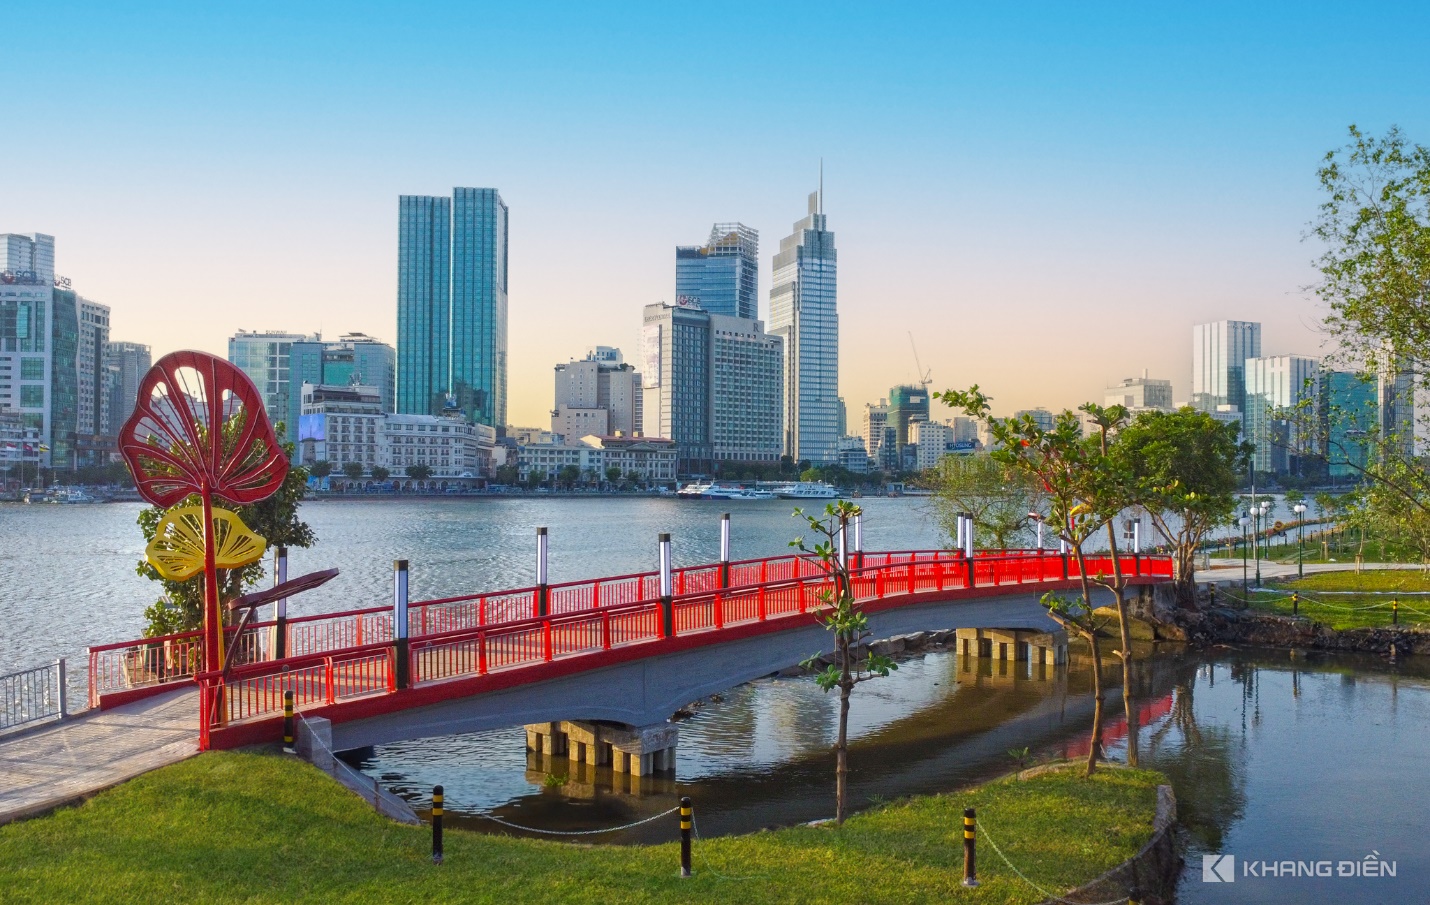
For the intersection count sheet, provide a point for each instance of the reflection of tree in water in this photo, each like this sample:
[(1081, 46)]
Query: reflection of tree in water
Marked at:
[(1202, 763)]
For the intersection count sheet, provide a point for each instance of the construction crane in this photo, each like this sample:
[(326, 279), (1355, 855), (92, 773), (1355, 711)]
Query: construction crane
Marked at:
[(924, 377)]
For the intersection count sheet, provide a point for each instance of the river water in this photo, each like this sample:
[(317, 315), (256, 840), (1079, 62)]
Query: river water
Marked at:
[(1274, 758)]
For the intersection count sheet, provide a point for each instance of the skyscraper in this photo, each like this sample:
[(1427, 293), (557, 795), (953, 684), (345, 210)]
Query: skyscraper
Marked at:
[(722, 276), (94, 439), (804, 315), (599, 395), (711, 383), (1219, 354), (127, 364), (907, 405), (452, 305), (1275, 385), (27, 276)]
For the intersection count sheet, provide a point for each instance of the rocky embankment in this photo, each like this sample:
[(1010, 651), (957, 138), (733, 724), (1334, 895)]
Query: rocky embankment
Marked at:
[(1212, 624)]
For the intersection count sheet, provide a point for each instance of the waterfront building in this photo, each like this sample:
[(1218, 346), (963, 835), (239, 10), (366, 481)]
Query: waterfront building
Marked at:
[(965, 430), (27, 278), (265, 356), (20, 456), (723, 275), (523, 436), (126, 364), (652, 459), (1278, 385), (803, 313), (62, 393), (346, 424), (1140, 394), (711, 384), (930, 440), (1219, 354), (599, 395), (853, 455), (353, 358), (94, 435), (876, 417), (907, 404), (1395, 397), (452, 305), (545, 461)]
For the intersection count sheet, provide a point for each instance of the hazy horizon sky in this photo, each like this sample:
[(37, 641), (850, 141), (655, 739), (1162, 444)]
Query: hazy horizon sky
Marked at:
[(1047, 196)]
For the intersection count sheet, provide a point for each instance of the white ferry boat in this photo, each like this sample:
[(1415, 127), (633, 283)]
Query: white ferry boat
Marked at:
[(806, 490), (714, 490)]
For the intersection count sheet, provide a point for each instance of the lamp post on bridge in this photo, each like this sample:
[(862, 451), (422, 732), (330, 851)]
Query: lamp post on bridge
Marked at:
[(399, 622), (725, 550), (859, 540), (1037, 518), (543, 593), (667, 606), (280, 608)]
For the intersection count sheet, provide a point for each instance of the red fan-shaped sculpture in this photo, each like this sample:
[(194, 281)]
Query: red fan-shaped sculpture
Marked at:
[(199, 427)]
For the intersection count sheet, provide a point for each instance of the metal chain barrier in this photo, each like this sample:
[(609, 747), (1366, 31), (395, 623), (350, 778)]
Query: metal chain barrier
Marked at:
[(715, 873), (1050, 896), (612, 829)]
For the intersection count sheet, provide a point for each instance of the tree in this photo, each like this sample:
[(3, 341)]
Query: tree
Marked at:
[(1000, 498), (321, 468), (506, 474), (613, 474), (418, 472), (180, 605), (1067, 467), (841, 614), (635, 477), (568, 475), (353, 470), (1186, 465), (380, 474)]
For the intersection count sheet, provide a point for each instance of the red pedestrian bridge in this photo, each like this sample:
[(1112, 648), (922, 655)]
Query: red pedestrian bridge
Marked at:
[(605, 649)]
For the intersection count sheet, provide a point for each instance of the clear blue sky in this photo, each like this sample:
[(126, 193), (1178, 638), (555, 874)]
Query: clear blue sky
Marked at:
[(1011, 183)]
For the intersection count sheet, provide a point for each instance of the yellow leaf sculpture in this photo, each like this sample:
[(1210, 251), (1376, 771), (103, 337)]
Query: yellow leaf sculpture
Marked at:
[(177, 550)]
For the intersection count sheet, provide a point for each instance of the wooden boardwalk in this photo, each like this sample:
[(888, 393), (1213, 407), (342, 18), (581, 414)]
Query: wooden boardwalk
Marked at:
[(67, 762)]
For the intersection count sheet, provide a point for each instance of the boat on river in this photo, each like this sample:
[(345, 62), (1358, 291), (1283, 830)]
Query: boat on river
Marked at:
[(806, 490), (714, 490)]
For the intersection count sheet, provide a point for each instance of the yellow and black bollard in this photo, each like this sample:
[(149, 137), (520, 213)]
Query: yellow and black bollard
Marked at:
[(1395, 612), (287, 722), (436, 824), (970, 867), (686, 820), (1295, 604)]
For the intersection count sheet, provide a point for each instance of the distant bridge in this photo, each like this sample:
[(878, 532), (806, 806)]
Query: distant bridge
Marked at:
[(609, 649)]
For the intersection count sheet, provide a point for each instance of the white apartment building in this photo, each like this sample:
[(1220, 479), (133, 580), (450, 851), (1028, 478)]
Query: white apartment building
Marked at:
[(1140, 394), (653, 458), (346, 424), (600, 395), (931, 440)]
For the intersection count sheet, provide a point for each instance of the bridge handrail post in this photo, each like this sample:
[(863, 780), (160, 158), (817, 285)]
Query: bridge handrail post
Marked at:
[(399, 623), (481, 653), (330, 688), (546, 640), (719, 611), (972, 569), (605, 630), (761, 611)]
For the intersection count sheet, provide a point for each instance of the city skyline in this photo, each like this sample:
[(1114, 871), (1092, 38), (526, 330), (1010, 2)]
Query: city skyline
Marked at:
[(986, 164)]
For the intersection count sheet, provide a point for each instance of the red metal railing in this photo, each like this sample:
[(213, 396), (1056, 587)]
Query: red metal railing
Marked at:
[(255, 689), (616, 611)]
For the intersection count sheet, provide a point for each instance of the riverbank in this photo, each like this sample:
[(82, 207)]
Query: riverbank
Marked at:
[(250, 827)]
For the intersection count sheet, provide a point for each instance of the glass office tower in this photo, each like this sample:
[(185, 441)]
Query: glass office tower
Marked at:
[(1219, 354), (804, 315), (452, 305), (722, 276)]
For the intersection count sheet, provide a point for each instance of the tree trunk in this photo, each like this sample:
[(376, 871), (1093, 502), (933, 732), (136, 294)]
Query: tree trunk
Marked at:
[(1095, 749), (841, 757), (1119, 586)]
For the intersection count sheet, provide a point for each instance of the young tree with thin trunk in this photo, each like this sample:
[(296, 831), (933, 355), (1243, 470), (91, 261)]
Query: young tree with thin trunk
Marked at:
[(841, 614), (1069, 469)]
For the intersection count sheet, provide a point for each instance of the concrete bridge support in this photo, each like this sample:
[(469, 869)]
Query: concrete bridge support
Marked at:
[(1050, 648), (637, 750)]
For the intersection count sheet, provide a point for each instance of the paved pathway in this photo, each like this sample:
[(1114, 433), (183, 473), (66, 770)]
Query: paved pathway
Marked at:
[(48, 767), (1223, 569)]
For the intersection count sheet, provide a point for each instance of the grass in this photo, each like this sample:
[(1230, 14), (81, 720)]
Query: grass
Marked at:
[(1351, 610), (1341, 550), (249, 827)]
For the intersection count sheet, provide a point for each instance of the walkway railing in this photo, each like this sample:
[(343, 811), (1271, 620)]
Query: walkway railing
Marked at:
[(33, 695), (256, 689)]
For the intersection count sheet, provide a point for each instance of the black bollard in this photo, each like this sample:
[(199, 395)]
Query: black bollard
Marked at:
[(686, 820), (288, 722), (436, 824), (970, 868), (1295, 604), (1395, 612)]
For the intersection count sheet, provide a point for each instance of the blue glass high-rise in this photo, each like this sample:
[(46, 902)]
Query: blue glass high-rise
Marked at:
[(721, 276), (452, 305)]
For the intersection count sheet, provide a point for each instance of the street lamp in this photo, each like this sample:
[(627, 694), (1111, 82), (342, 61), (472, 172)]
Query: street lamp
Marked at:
[(1260, 511), (1243, 522), (1299, 509), (1037, 518)]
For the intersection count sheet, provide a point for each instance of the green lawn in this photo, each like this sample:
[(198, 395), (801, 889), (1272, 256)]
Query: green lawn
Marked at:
[(1343, 611), (245, 827), (1342, 550)]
